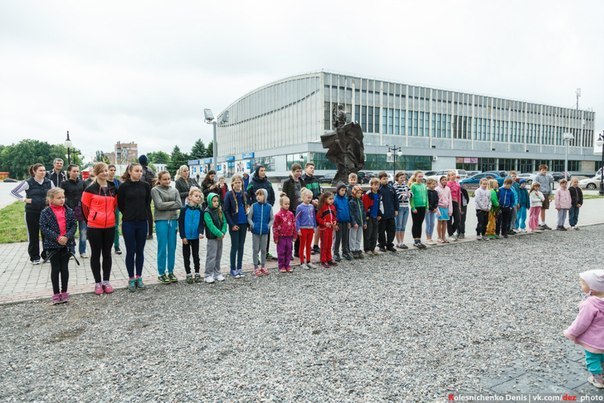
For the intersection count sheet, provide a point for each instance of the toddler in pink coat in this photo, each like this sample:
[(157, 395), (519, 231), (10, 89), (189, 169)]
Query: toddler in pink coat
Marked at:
[(563, 203), (588, 328)]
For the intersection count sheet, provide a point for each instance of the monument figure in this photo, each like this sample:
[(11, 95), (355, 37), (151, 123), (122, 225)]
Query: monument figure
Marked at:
[(344, 145)]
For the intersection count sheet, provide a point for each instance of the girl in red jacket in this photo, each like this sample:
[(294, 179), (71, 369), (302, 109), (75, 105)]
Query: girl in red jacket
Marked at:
[(326, 219), (284, 231), (98, 206)]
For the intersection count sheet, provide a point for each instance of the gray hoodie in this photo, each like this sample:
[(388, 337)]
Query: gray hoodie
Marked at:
[(167, 203)]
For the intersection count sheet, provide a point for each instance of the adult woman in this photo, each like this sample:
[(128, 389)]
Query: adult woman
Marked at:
[(74, 187), (184, 183), (98, 206), (292, 188), (209, 185), (133, 197), (35, 189)]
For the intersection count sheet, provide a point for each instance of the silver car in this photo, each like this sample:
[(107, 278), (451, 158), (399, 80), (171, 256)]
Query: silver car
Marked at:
[(590, 183)]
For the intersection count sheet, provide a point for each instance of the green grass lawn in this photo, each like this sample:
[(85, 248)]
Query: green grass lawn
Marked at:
[(12, 223)]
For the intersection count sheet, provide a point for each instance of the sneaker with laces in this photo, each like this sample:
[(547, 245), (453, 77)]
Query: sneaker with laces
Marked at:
[(189, 279), (596, 380), (197, 278), (56, 299), (312, 265), (233, 273), (107, 288), (83, 256), (172, 278), (283, 270), (264, 271), (347, 256), (209, 279), (219, 277), (240, 273), (139, 283), (303, 266), (163, 279), (132, 285), (258, 272), (289, 269), (98, 289), (64, 297), (336, 257), (35, 262)]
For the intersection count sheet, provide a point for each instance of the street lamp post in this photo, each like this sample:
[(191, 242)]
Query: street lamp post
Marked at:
[(209, 118), (394, 151), (68, 144), (600, 143), (567, 137)]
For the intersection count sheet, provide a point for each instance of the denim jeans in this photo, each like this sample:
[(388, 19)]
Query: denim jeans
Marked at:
[(573, 217), (401, 219), (135, 237), (82, 242), (430, 220), (165, 230), (237, 244)]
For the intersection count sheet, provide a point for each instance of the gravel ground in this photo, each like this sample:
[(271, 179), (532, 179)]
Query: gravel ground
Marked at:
[(412, 328)]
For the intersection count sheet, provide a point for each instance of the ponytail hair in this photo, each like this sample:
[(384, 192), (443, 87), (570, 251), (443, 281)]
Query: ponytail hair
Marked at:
[(159, 175), (126, 174)]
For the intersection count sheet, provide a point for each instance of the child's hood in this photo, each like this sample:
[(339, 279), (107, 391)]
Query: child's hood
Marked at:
[(211, 197), (339, 186), (265, 193), (596, 303)]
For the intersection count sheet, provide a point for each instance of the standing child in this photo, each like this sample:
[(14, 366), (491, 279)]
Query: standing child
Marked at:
[(523, 205), (494, 212), (326, 218), (353, 179), (389, 212), (217, 227), (482, 199), (563, 201), (235, 211), (445, 209), (58, 225), (358, 221), (343, 227), (586, 330), (536, 199), (284, 232), (576, 195), (419, 205), (403, 194), (191, 228), (463, 205), (432, 212), (166, 200), (371, 205), (222, 190), (306, 223), (260, 218), (507, 201)]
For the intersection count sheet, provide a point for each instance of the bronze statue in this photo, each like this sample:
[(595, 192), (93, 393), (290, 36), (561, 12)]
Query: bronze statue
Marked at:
[(344, 146)]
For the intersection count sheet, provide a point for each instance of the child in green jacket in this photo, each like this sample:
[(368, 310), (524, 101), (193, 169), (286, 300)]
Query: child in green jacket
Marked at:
[(216, 228)]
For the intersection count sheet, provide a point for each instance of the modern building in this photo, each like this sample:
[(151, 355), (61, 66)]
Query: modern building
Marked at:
[(281, 123), (123, 153)]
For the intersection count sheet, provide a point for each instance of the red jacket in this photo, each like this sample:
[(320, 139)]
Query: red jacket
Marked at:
[(327, 214), (284, 224), (99, 206)]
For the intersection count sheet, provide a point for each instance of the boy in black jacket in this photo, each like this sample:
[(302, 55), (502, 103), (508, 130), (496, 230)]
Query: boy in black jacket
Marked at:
[(389, 210)]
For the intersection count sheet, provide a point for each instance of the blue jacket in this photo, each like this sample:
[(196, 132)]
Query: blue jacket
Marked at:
[(305, 216), (190, 222), (260, 218), (49, 226), (506, 197), (389, 202), (523, 198), (235, 212), (357, 215), (342, 207)]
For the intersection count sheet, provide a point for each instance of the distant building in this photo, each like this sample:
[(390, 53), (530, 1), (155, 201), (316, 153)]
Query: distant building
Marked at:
[(123, 153), (282, 122)]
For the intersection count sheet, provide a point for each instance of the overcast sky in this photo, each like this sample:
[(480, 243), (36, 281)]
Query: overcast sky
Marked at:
[(143, 71)]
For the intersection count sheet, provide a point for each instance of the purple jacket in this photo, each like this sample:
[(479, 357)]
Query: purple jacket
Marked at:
[(588, 328)]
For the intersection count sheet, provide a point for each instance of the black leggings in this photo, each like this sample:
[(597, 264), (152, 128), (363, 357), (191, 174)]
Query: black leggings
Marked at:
[(191, 246), (418, 220), (454, 220), (59, 265), (101, 241), (32, 219)]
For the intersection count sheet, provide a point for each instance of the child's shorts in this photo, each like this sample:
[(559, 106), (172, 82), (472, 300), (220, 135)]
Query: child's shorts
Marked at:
[(444, 214)]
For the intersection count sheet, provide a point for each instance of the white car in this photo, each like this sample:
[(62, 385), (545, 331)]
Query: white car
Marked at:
[(461, 174), (590, 183)]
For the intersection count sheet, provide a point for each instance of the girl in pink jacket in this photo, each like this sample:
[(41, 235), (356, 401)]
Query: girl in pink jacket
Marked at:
[(588, 328), (563, 203), (445, 208)]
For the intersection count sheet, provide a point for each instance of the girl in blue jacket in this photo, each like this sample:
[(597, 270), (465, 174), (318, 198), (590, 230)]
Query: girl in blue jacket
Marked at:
[(343, 227), (260, 219), (235, 210), (191, 228)]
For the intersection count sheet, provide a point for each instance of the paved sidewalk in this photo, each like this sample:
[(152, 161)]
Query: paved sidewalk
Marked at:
[(21, 281)]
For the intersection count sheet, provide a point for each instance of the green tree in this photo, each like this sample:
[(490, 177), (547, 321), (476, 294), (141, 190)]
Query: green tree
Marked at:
[(199, 150), (100, 156), (159, 157), (17, 158), (60, 151), (210, 150), (177, 159)]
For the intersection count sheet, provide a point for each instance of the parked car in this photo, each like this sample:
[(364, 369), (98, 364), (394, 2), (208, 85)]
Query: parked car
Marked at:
[(461, 174), (527, 177), (559, 175), (590, 183), (473, 182)]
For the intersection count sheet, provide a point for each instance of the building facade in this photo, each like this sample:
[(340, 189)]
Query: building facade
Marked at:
[(281, 123), (123, 153)]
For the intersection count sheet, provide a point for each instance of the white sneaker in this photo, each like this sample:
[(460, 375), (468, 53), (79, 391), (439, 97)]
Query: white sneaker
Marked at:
[(220, 277), (312, 266), (83, 256), (35, 262), (596, 380), (209, 279), (304, 266)]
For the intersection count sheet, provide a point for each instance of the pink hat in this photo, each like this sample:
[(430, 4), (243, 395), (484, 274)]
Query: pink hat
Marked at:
[(594, 279)]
